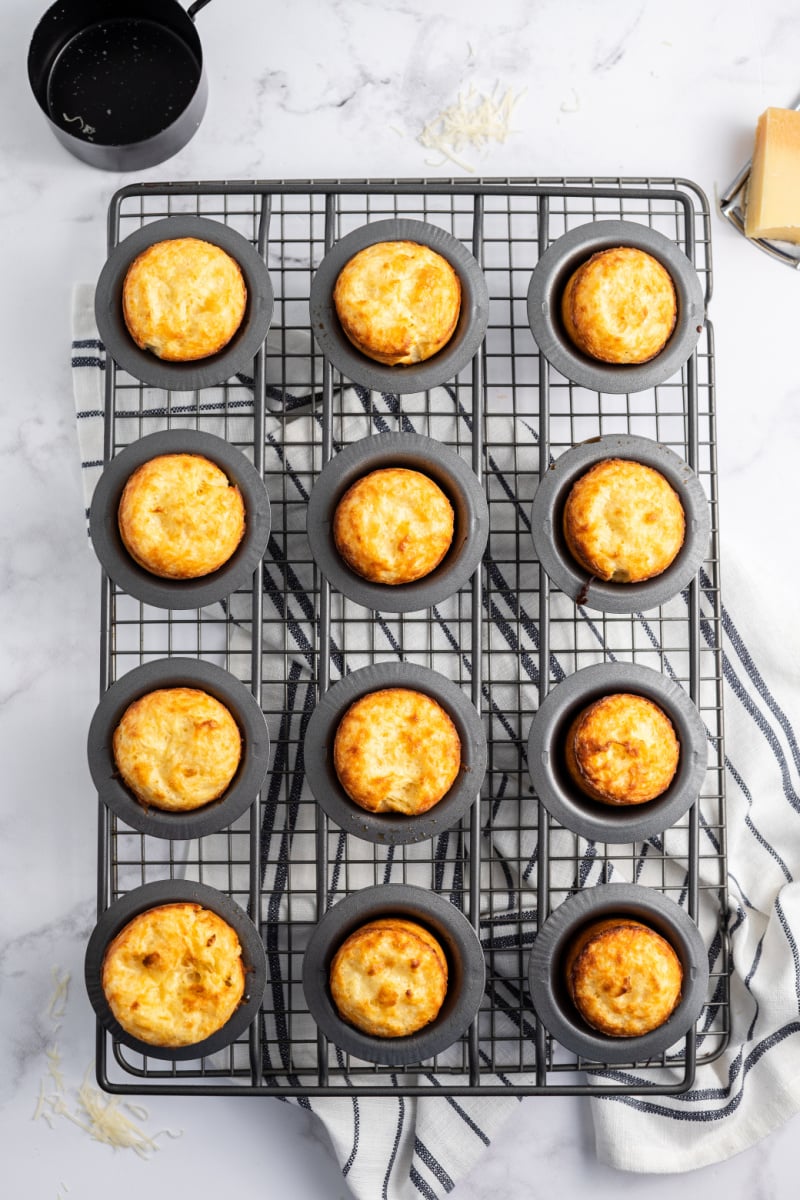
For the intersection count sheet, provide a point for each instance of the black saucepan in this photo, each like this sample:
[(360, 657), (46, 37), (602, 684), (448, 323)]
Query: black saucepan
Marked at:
[(121, 82)]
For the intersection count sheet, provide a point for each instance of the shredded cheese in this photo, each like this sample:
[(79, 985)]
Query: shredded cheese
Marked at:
[(101, 1117), (473, 121), (54, 1058), (39, 1110)]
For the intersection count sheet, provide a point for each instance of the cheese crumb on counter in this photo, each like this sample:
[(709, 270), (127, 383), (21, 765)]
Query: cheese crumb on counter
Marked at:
[(105, 1119), (473, 121), (773, 194)]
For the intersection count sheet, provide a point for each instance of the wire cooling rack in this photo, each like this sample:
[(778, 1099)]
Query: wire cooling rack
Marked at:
[(506, 638)]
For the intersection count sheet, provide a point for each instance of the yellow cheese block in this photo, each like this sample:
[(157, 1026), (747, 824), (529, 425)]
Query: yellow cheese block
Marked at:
[(773, 194)]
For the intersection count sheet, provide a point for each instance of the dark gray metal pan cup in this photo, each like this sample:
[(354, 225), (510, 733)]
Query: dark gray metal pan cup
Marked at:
[(465, 960), (121, 82), (418, 377), (441, 464), (559, 793), (547, 515), (178, 891), (170, 673), (546, 289), (240, 351), (547, 983), (393, 829), (179, 593)]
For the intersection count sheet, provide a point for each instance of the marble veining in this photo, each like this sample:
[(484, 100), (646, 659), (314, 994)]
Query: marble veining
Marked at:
[(343, 89)]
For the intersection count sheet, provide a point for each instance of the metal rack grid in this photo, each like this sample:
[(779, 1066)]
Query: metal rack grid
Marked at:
[(506, 638)]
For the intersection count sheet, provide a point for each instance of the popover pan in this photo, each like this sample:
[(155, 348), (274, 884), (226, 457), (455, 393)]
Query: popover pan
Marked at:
[(174, 673), (547, 525), (547, 984), (546, 289), (561, 796), (178, 891), (465, 961)]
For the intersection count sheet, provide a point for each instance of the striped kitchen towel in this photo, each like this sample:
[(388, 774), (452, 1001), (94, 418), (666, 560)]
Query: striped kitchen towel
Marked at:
[(399, 1148)]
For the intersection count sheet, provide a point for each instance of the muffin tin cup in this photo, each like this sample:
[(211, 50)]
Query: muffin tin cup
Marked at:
[(548, 988), (546, 289), (550, 545), (179, 593), (240, 351), (169, 673), (466, 972), (417, 377), (172, 891), (441, 464), (394, 829), (561, 796)]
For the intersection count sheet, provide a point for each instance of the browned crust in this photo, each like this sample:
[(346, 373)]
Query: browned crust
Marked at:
[(389, 978), (393, 526), (620, 306), (396, 750), (180, 517), (623, 977), (174, 974), (398, 302), (177, 749), (623, 522), (183, 299), (622, 749)]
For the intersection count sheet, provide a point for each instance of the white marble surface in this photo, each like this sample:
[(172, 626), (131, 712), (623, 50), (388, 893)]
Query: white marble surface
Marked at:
[(316, 88)]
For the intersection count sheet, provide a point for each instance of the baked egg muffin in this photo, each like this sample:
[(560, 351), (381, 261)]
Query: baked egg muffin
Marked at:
[(389, 978), (180, 517), (183, 299), (620, 306), (174, 975), (177, 749), (396, 750), (623, 977), (622, 749), (398, 302), (393, 526), (623, 522)]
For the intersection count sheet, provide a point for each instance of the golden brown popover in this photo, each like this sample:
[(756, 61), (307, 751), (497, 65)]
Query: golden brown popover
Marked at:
[(389, 978), (622, 749), (183, 299), (180, 517), (623, 977), (177, 748), (393, 526), (174, 974), (620, 306), (396, 750), (398, 302), (623, 522)]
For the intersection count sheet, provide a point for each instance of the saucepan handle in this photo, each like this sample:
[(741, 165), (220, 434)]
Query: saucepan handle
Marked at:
[(194, 9)]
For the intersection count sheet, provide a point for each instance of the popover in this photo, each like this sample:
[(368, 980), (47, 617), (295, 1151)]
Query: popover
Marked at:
[(622, 749), (398, 302), (396, 750), (183, 299), (389, 978), (620, 306), (623, 522), (174, 974), (180, 517), (177, 748), (623, 977), (393, 526)]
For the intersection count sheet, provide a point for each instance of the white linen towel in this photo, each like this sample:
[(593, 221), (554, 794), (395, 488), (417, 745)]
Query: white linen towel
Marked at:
[(400, 1148)]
